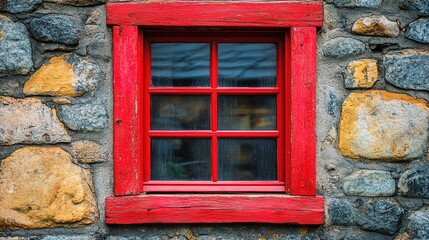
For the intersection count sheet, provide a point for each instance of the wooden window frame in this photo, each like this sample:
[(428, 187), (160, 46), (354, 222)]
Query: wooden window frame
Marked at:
[(299, 204)]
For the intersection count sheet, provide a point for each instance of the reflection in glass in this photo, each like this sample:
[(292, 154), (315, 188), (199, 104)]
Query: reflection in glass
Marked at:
[(247, 159), (247, 64), (247, 112), (180, 112), (180, 64), (180, 159)]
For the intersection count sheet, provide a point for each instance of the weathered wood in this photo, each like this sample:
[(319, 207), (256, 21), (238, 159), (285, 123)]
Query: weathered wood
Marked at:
[(303, 111), (214, 209), (216, 14)]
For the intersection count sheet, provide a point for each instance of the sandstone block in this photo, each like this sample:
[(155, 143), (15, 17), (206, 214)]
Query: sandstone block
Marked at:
[(41, 187), (381, 125), (361, 73), (358, 3), (56, 29), (381, 216), (18, 6), (422, 6), (78, 3), (84, 117), (378, 26), (407, 69), (418, 31), (29, 121), (15, 48), (64, 75), (415, 182), (369, 183), (341, 212), (88, 152), (343, 47), (418, 228)]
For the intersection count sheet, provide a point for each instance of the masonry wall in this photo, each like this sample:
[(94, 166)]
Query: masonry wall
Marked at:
[(56, 125)]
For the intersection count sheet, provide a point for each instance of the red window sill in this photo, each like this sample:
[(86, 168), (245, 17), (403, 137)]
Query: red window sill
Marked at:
[(214, 208)]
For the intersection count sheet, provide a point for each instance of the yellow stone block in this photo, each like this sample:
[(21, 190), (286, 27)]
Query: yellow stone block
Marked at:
[(361, 73)]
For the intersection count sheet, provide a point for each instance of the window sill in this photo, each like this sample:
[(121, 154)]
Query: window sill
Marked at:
[(214, 208)]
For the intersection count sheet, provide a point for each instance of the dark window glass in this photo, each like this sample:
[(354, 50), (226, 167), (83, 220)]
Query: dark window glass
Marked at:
[(180, 159), (180, 64), (247, 159), (247, 112), (247, 64), (180, 112)]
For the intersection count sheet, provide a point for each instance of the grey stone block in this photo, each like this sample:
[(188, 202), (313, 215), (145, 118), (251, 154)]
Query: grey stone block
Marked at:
[(56, 29), (381, 216), (343, 47), (415, 182), (18, 6), (418, 228), (341, 212), (418, 31), (358, 3), (84, 117), (369, 183)]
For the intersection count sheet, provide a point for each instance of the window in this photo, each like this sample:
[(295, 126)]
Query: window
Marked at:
[(214, 112)]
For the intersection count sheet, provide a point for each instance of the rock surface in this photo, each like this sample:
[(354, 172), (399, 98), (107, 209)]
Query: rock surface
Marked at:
[(415, 182), (418, 228), (369, 183), (343, 47), (41, 187), (382, 125), (422, 6), (64, 75), (407, 69), (15, 48), (341, 212), (361, 73), (88, 152), (84, 117), (29, 121), (378, 26), (358, 3), (77, 2), (56, 29), (418, 31), (18, 6), (381, 216)]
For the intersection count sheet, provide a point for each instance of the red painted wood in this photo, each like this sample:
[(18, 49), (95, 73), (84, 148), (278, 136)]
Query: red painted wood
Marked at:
[(303, 111), (222, 90), (127, 71), (214, 209), (216, 14)]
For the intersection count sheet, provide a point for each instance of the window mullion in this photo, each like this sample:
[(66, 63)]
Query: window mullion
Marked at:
[(214, 115)]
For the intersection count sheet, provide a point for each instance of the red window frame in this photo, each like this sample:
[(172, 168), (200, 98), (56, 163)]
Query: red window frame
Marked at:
[(299, 204)]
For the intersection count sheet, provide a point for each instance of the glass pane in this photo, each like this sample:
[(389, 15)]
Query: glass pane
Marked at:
[(180, 64), (180, 159), (247, 159), (247, 64), (247, 112), (180, 112)]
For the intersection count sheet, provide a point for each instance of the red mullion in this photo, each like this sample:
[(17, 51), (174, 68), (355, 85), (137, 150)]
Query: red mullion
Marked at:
[(287, 104), (215, 90), (223, 36), (214, 115), (146, 112), (208, 134), (281, 112)]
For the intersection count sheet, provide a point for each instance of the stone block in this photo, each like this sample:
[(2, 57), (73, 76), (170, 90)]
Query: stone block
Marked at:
[(418, 31), (18, 6), (422, 6), (29, 121), (84, 117), (56, 29), (342, 47), (88, 152), (78, 3), (15, 48), (381, 125), (381, 215), (369, 183), (378, 26), (415, 182), (41, 188), (407, 69), (418, 228), (361, 73), (341, 212), (358, 3)]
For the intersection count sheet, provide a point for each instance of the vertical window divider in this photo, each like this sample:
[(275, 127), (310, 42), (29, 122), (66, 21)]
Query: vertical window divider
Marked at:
[(214, 103)]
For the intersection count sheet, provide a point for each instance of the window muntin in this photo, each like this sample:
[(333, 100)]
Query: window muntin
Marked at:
[(246, 109)]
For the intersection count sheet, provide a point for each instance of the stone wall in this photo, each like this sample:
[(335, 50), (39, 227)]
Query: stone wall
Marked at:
[(56, 125)]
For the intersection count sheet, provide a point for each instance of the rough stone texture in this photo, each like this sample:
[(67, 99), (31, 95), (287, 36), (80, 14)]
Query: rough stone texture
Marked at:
[(341, 212), (15, 48), (407, 69), (418, 31), (18, 6), (415, 182), (64, 75), (84, 117), (62, 100), (358, 3), (41, 187), (361, 73), (29, 121), (382, 125), (422, 6), (56, 29), (369, 183), (342, 47), (88, 152), (381, 215), (378, 26), (418, 228), (77, 2)]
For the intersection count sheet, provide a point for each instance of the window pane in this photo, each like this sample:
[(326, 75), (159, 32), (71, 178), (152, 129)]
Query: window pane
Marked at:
[(180, 64), (247, 112), (180, 159), (247, 159), (247, 64), (178, 112)]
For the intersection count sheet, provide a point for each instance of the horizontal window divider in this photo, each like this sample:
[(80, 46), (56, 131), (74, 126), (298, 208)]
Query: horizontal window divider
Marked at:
[(219, 90), (213, 188), (208, 134), (205, 183)]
